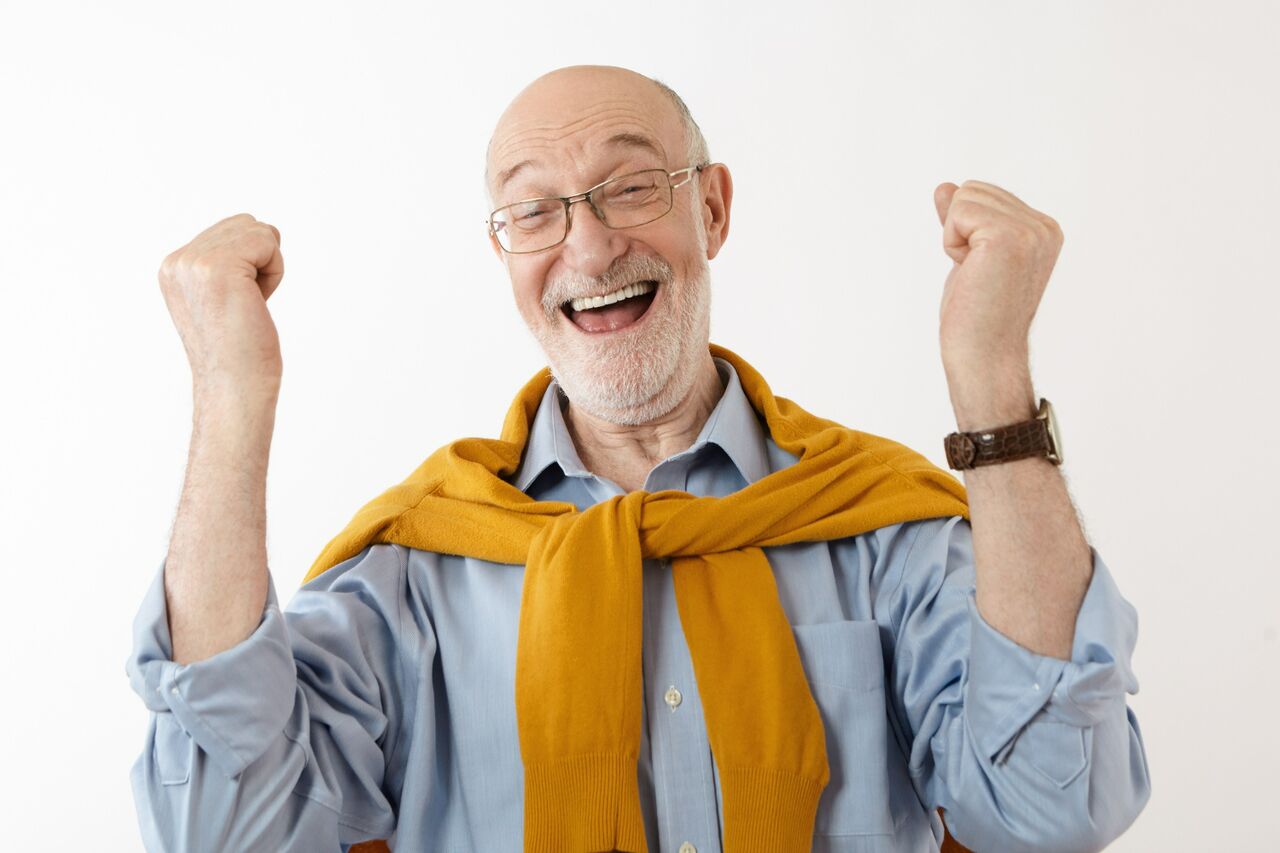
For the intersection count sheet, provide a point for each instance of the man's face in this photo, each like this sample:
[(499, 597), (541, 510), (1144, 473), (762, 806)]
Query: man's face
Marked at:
[(632, 361)]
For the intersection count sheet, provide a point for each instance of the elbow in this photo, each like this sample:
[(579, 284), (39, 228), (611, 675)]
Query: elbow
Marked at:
[(1059, 800), (185, 802), (1055, 830)]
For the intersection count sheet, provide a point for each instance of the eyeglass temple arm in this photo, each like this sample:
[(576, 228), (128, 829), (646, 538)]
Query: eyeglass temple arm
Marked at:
[(686, 170)]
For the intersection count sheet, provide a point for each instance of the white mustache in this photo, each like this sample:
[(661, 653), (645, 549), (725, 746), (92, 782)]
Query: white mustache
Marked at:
[(628, 269)]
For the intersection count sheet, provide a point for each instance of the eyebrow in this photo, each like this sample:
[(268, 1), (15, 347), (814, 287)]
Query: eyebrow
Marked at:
[(626, 140)]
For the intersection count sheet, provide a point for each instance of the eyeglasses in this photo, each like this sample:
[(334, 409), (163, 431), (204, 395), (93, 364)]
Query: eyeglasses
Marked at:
[(622, 202)]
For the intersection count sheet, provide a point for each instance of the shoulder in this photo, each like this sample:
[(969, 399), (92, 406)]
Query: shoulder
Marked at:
[(917, 541), (372, 565)]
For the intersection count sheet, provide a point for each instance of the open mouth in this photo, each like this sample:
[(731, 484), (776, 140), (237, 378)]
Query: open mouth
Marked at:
[(624, 307)]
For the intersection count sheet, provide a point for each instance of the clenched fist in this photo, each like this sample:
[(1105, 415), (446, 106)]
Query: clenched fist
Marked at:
[(1004, 251), (216, 288)]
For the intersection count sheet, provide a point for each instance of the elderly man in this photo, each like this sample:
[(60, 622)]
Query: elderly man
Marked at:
[(666, 609)]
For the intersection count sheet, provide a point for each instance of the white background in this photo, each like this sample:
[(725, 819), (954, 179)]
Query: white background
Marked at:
[(1149, 130)]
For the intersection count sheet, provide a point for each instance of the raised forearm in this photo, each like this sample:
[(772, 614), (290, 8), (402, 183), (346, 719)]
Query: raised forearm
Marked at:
[(216, 569), (1031, 557), (1032, 560), (215, 574)]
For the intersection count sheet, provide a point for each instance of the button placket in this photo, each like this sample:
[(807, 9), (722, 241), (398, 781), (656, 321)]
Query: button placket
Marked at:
[(681, 757)]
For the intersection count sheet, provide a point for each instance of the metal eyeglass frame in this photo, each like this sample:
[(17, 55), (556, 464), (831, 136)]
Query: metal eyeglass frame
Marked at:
[(587, 196)]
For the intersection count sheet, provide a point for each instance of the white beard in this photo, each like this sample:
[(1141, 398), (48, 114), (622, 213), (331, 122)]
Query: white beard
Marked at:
[(624, 378)]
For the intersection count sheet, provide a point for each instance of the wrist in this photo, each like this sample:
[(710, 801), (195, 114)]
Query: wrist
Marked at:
[(220, 386), (233, 429), (998, 395)]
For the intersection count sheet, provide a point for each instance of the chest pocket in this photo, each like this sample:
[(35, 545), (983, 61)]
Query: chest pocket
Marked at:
[(845, 669)]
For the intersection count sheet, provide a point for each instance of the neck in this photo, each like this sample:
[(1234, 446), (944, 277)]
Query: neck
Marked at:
[(626, 454)]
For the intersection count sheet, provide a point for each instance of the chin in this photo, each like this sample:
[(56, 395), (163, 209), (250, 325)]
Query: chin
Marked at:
[(637, 375), (626, 386), (630, 380)]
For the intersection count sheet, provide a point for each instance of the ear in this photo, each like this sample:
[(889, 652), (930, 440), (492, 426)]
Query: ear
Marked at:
[(717, 197)]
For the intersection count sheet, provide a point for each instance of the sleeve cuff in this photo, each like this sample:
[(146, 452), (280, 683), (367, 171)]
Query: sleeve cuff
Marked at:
[(1008, 684), (234, 704)]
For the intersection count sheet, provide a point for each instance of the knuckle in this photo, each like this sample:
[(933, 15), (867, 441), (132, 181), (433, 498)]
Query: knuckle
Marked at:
[(173, 265), (201, 266), (235, 224), (266, 230), (1026, 235)]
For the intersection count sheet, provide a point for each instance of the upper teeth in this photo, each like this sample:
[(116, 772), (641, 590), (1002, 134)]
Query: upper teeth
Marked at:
[(610, 298)]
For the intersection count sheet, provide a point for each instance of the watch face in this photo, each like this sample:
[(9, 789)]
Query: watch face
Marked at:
[(1055, 437)]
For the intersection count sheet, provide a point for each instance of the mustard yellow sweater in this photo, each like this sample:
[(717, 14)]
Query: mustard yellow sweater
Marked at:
[(578, 659)]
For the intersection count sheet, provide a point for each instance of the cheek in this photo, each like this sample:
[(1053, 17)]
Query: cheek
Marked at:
[(681, 247), (526, 287)]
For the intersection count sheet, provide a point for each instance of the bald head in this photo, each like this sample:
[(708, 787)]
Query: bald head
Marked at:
[(572, 109), (635, 358)]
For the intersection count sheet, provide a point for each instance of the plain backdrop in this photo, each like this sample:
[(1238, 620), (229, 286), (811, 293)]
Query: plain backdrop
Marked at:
[(1149, 130)]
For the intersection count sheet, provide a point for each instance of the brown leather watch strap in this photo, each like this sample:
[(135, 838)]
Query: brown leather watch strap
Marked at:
[(1000, 444)]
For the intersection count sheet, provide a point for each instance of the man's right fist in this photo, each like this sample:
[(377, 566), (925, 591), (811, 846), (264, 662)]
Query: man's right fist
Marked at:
[(216, 288)]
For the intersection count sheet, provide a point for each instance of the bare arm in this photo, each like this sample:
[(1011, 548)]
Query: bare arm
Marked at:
[(216, 569), (215, 574), (1033, 561)]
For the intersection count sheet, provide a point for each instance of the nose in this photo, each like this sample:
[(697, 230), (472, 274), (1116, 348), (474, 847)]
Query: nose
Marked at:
[(591, 247)]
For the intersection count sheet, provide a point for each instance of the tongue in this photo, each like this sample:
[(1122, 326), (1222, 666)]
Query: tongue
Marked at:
[(610, 317)]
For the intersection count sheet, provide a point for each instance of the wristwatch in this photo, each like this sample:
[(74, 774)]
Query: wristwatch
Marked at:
[(1036, 437)]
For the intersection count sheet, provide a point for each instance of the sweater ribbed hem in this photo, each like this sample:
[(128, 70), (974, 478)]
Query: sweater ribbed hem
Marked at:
[(768, 811), (583, 804)]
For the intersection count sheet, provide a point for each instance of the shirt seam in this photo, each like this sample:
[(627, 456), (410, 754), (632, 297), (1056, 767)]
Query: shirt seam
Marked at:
[(405, 669), (896, 624)]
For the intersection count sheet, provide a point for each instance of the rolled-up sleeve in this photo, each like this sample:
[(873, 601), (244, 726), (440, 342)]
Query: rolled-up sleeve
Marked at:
[(1022, 751), (284, 740)]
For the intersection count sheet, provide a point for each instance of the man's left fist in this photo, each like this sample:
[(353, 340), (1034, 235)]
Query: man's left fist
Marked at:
[(1004, 252)]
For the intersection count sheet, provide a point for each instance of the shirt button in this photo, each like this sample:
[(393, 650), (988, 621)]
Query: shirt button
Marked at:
[(688, 848), (673, 699)]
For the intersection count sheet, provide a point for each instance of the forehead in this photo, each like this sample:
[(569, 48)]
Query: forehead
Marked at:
[(570, 128)]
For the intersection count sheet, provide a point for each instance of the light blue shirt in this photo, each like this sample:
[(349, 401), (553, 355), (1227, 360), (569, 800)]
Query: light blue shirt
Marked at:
[(380, 703)]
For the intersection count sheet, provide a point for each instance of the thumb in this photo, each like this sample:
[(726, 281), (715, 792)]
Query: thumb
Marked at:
[(942, 194)]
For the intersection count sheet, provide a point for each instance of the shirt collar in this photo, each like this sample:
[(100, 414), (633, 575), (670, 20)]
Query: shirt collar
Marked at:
[(733, 426)]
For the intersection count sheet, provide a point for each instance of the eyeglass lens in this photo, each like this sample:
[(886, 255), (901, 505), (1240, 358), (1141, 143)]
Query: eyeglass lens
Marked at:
[(624, 202)]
